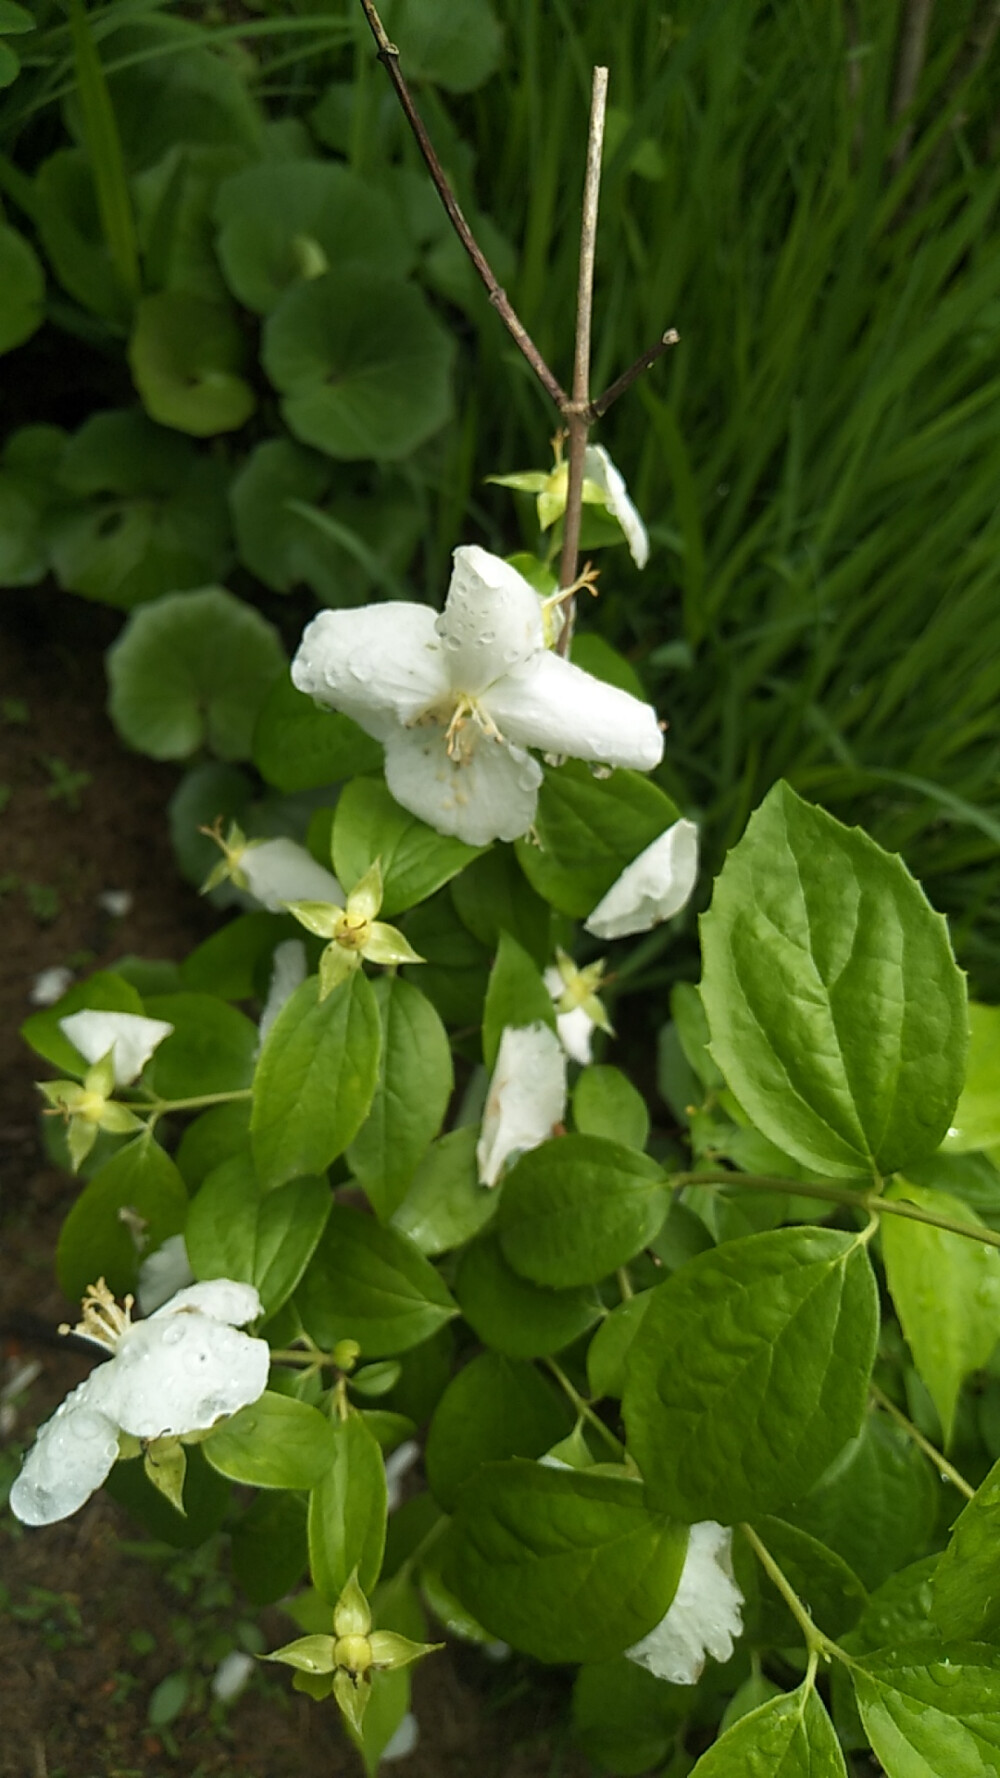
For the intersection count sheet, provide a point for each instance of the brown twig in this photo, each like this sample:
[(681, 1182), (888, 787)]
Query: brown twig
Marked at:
[(388, 55), (600, 406), (909, 67), (577, 414)]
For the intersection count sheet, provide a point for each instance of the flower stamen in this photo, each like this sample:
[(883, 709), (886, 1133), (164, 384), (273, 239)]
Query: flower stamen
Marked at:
[(102, 1321)]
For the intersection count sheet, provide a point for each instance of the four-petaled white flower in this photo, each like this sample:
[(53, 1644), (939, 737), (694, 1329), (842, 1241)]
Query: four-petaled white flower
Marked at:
[(127, 1037), (654, 887), (456, 699), (578, 1006), (526, 1098), (176, 1373), (704, 1616)]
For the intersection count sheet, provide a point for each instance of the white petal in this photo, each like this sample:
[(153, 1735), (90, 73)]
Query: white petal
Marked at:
[(50, 985), (654, 887), (232, 1675), (491, 622), (551, 704), (526, 1098), (575, 1030), (397, 1467), (281, 870), (598, 467), (162, 1274), (401, 1744), (180, 1372), (131, 1038), (220, 1298), (72, 1455), (288, 971), (704, 1617), (490, 795), (382, 664)]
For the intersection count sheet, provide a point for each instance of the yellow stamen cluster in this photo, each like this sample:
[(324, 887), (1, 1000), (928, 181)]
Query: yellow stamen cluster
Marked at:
[(102, 1320)]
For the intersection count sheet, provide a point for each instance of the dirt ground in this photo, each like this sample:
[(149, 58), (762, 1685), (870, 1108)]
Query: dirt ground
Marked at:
[(89, 1626)]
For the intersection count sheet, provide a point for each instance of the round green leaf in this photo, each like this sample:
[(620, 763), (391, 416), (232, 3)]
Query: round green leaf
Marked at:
[(415, 1083), (457, 46), (22, 289), (95, 1242), (210, 1050), (371, 1284), (347, 1512), (363, 365), (297, 746), (186, 355), (276, 1442), (494, 1408), (587, 830), (280, 547), (266, 1239), (515, 1317), (192, 670), (69, 224), (576, 1208), (446, 1205)]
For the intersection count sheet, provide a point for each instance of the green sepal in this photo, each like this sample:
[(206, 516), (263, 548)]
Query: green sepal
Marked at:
[(100, 1078), (118, 1120), (351, 1614), (390, 1650), (352, 1697), (165, 1464), (323, 918), (335, 965), (388, 946), (80, 1139), (366, 897), (310, 1654)]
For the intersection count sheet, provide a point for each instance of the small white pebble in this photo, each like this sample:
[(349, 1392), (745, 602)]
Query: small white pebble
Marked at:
[(116, 902), (402, 1743), (50, 985), (232, 1675)]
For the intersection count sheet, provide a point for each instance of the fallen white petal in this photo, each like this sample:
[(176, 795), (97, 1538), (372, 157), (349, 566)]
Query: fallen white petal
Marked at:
[(526, 1098), (598, 467), (223, 1299), (232, 1675), (551, 704), (116, 902), (72, 1455), (397, 1467), (281, 870), (490, 795), (491, 622), (704, 1617), (381, 664), (50, 985), (402, 1743), (130, 1038), (162, 1274), (654, 887), (288, 971), (181, 1372)]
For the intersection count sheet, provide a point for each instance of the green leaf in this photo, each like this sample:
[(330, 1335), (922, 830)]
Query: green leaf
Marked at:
[(283, 222), (515, 1317), (494, 1408), (564, 1565), (415, 1084), (269, 1547), (930, 1711), (516, 995), (234, 962), (69, 224), (624, 1717), (315, 1079), (877, 1504), (299, 747), (750, 1372), (831, 1592), (576, 1208), (22, 289), (607, 1354), (976, 1120), (605, 1103), (446, 1205), (192, 671), (212, 1138), (946, 1289), (14, 18), (371, 1284), (588, 829), (836, 1008), (455, 971), (187, 355), (347, 1512), (458, 48), (274, 1443), (363, 365), (966, 1594), (103, 992), (492, 896), (788, 1737), (274, 541), (10, 65), (415, 860), (95, 1242), (266, 1239), (210, 1050)]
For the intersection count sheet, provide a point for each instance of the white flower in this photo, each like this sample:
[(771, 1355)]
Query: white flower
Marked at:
[(276, 871), (599, 469), (130, 1039), (578, 1006), (456, 699), (704, 1616), (654, 887), (175, 1373), (526, 1098), (163, 1273), (50, 985), (288, 972)]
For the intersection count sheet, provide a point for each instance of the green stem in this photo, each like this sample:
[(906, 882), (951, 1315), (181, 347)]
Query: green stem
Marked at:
[(160, 1107), (946, 1469), (624, 1283), (870, 1202), (583, 1407), (816, 1643)]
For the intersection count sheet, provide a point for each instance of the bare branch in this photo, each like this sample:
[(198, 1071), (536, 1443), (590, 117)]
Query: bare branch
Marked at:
[(388, 55), (618, 387)]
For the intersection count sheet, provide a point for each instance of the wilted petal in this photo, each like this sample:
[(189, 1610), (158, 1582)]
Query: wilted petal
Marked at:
[(72, 1455), (704, 1617), (181, 1371), (654, 887), (162, 1274), (491, 794), (551, 704), (526, 1098), (491, 622), (382, 664), (130, 1038), (221, 1298), (598, 468), (288, 972), (281, 870)]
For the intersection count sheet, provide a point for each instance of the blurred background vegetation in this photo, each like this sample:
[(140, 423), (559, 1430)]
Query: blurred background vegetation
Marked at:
[(243, 346)]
